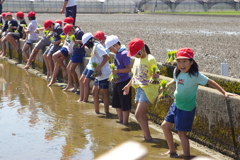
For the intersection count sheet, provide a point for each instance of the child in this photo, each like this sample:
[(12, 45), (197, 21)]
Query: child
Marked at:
[(146, 92), (12, 37), (181, 113), (32, 36), (61, 54), (100, 36), (77, 57), (101, 82), (55, 30), (9, 27), (121, 102)]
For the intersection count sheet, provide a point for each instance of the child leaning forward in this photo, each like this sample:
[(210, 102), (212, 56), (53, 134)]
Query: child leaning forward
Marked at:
[(146, 92), (99, 59)]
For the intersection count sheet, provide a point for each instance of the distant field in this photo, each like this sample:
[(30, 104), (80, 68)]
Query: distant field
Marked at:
[(233, 13)]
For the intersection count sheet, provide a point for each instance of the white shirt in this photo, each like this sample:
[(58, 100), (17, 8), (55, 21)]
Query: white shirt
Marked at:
[(32, 27), (98, 58), (71, 3)]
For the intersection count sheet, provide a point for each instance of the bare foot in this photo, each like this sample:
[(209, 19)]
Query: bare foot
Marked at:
[(52, 81), (67, 88), (27, 66), (64, 73)]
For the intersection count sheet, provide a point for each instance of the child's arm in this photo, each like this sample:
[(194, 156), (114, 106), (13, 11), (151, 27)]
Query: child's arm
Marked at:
[(127, 87), (105, 59), (213, 84), (57, 42), (170, 83), (124, 70)]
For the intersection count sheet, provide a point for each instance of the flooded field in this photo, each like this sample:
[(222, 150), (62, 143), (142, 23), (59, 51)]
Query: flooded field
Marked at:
[(38, 122)]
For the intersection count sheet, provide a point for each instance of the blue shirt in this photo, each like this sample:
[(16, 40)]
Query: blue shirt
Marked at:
[(186, 90)]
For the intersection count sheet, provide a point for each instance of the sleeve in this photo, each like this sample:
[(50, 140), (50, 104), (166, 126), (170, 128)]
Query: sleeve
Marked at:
[(15, 23), (152, 61), (30, 27), (5, 27), (202, 79), (126, 60), (100, 50), (59, 32), (79, 35)]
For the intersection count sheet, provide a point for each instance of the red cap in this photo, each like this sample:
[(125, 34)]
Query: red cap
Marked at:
[(47, 24), (59, 22), (99, 35), (8, 14), (184, 53), (4, 14), (135, 46), (67, 28), (20, 14), (68, 20), (31, 14)]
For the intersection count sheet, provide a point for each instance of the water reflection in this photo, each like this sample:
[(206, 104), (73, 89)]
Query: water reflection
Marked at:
[(38, 122)]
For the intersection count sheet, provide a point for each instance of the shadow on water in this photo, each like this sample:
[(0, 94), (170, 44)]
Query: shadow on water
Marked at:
[(40, 122)]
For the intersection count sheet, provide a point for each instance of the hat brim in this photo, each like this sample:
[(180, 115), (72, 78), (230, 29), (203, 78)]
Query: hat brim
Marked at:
[(182, 57), (129, 54)]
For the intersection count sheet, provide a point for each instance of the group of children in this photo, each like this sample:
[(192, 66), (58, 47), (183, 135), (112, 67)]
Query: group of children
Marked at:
[(102, 69)]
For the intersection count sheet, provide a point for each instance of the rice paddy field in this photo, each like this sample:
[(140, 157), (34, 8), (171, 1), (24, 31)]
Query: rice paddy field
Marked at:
[(214, 39)]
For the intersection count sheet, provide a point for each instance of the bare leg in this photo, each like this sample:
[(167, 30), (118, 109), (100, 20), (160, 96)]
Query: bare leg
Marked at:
[(69, 85), (86, 89), (3, 46), (74, 75), (184, 142), (169, 137), (120, 114), (95, 93), (126, 117), (32, 57), (59, 57), (12, 41), (55, 72), (81, 87), (50, 64), (141, 116), (47, 65), (24, 50), (105, 100)]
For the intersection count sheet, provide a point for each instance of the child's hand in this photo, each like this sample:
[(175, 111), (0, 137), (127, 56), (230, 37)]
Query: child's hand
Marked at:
[(126, 90), (97, 69), (114, 72), (227, 95), (155, 75)]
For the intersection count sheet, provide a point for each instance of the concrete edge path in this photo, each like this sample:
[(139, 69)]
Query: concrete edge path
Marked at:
[(210, 152)]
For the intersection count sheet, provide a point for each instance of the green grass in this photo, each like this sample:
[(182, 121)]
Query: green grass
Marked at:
[(205, 13)]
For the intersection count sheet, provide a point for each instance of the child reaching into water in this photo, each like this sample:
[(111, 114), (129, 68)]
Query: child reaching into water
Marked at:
[(99, 57), (146, 92), (181, 113)]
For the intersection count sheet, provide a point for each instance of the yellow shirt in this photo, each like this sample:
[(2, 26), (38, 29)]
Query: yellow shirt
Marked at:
[(141, 75)]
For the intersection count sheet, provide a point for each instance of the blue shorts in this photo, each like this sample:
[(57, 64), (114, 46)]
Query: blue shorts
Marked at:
[(77, 57), (64, 51), (29, 41), (182, 119), (141, 96), (88, 73), (103, 84)]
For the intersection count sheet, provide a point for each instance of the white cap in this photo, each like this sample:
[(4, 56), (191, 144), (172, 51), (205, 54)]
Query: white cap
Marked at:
[(86, 37), (110, 41)]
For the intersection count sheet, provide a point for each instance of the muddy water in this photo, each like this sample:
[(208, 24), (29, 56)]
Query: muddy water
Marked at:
[(38, 122)]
